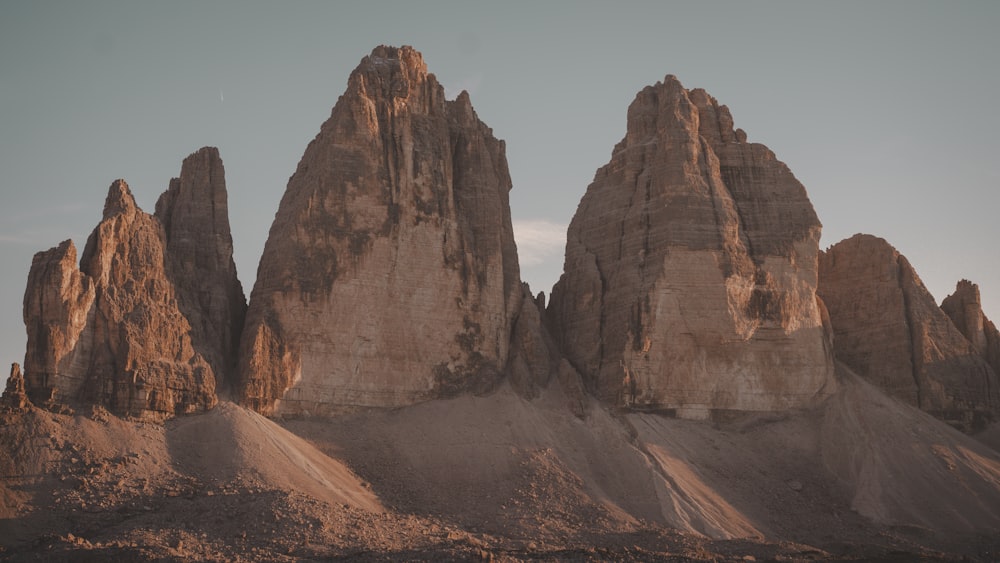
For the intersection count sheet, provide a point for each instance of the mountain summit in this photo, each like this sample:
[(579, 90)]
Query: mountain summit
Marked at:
[(390, 274)]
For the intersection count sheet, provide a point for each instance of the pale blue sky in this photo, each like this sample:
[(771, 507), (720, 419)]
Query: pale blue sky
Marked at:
[(884, 110)]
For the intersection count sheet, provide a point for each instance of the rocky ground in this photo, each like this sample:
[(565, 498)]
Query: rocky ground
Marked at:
[(474, 478)]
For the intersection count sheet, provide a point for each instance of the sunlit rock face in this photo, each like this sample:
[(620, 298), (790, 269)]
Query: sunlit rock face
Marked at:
[(390, 274), (146, 322), (690, 273), (888, 328), (110, 332)]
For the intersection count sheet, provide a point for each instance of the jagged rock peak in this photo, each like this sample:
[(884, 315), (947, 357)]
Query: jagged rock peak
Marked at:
[(119, 200), (140, 324), (965, 308), (14, 397), (690, 271), (889, 329), (390, 274)]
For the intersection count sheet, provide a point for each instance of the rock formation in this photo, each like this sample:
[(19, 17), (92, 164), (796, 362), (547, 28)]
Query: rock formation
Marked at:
[(390, 274), (199, 257), (14, 397), (690, 271), (148, 321), (965, 308), (888, 328)]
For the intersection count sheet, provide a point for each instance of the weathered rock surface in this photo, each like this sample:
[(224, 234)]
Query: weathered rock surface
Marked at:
[(110, 332), (690, 271), (14, 397), (965, 308), (194, 212), (390, 274), (888, 328)]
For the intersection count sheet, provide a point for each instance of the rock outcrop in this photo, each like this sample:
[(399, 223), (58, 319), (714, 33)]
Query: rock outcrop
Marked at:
[(690, 271), (390, 274), (14, 397), (149, 320), (888, 329), (194, 212), (965, 309)]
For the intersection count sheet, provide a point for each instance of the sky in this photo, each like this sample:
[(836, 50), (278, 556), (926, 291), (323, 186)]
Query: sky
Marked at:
[(885, 111)]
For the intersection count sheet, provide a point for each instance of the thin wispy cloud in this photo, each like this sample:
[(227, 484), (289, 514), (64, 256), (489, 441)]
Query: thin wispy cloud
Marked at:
[(539, 241)]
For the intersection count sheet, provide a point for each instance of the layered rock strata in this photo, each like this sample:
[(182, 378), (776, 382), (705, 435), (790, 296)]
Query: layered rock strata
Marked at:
[(690, 271), (390, 274), (194, 212), (888, 328)]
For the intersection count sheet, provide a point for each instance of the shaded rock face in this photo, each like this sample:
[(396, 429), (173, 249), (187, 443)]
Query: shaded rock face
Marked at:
[(111, 332), (965, 309), (690, 272), (194, 213), (888, 328), (390, 274)]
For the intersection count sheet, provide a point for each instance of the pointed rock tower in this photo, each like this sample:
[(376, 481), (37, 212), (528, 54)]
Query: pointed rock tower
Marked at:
[(965, 308), (146, 323), (194, 212), (111, 332), (690, 273), (390, 274)]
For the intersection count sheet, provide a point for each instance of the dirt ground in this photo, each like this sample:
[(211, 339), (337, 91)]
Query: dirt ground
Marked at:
[(500, 478)]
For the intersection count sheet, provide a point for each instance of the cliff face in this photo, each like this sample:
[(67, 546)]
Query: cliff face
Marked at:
[(690, 271), (110, 332), (965, 309), (888, 329), (194, 212), (146, 322), (390, 273)]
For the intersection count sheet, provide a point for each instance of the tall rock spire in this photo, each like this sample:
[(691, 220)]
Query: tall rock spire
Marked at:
[(390, 273), (690, 271), (194, 212)]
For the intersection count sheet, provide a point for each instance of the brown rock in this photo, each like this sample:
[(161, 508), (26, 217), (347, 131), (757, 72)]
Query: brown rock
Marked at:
[(534, 356), (14, 397), (195, 216), (390, 274), (110, 332), (965, 308), (690, 269), (888, 329)]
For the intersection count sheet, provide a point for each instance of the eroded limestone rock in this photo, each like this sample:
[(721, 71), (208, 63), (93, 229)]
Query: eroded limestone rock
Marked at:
[(965, 309), (690, 271), (194, 212), (888, 329), (14, 397), (390, 274), (110, 332)]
